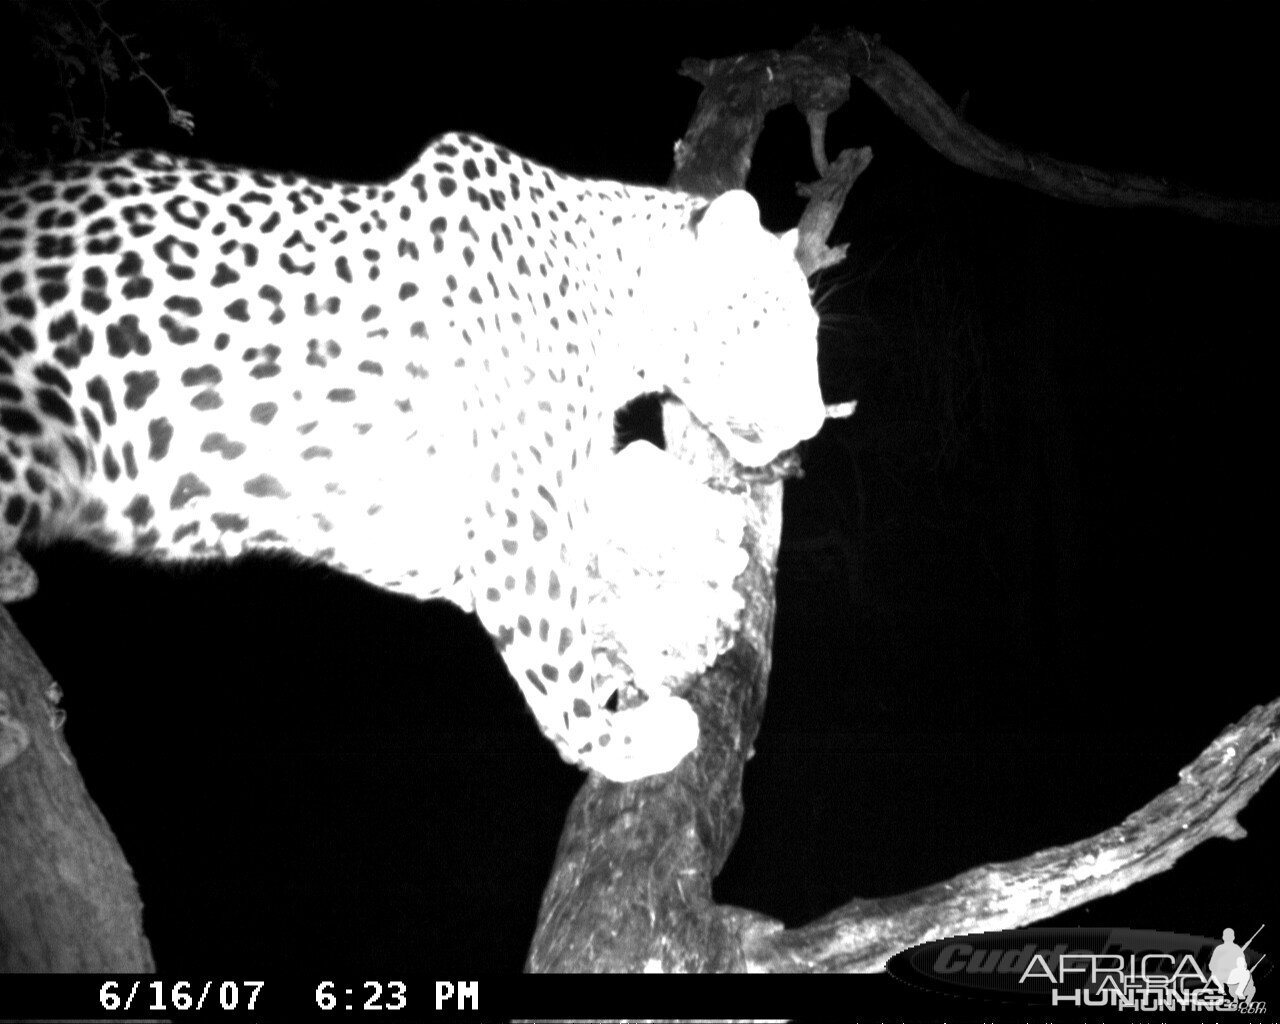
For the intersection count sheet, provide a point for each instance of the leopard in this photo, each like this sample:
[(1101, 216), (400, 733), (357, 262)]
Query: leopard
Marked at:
[(413, 382)]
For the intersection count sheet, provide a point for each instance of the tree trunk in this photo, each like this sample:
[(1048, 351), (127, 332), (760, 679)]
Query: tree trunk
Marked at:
[(68, 901)]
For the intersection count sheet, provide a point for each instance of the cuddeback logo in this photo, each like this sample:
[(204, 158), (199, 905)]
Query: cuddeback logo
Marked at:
[(1119, 968)]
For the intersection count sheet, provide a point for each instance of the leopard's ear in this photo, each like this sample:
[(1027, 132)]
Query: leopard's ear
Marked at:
[(728, 217), (790, 241)]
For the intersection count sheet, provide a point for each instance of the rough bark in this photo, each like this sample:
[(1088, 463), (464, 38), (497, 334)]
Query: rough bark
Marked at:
[(68, 901)]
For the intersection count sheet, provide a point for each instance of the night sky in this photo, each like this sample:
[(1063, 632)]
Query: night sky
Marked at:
[(1019, 589)]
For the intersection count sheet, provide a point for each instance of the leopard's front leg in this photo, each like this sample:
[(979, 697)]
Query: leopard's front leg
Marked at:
[(534, 592)]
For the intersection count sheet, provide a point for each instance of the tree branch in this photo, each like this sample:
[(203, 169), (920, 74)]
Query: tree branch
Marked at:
[(816, 76), (1211, 791), (68, 901)]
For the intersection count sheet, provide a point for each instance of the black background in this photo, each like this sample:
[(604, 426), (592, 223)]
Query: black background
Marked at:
[(1019, 589)]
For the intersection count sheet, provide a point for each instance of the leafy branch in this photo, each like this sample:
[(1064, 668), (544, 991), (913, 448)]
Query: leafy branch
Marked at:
[(92, 60)]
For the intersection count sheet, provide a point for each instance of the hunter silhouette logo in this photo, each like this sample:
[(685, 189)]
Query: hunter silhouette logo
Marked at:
[(1229, 969)]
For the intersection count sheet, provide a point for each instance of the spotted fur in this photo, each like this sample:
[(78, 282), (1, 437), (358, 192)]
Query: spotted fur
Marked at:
[(410, 382)]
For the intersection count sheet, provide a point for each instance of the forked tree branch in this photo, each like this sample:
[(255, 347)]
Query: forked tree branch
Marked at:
[(817, 75)]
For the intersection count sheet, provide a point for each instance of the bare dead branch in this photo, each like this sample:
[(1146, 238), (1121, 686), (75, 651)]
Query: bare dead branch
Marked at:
[(816, 76), (909, 96), (1211, 791), (68, 901)]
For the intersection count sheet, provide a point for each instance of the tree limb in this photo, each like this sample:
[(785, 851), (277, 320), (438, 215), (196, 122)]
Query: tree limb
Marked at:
[(816, 76), (1211, 791), (68, 900)]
